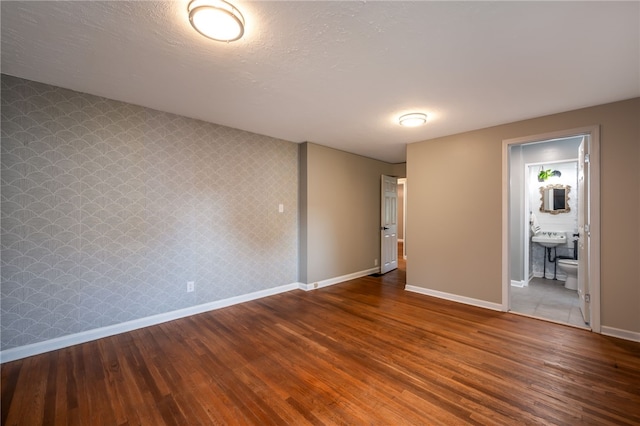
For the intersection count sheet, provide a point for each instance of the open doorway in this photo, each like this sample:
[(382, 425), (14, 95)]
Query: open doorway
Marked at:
[(537, 238), (388, 224), (393, 197)]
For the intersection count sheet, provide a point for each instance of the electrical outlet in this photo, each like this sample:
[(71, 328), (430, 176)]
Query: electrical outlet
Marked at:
[(315, 285), (375, 262), (191, 286)]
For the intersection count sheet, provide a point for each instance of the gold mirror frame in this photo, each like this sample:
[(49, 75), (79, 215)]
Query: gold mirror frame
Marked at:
[(543, 193)]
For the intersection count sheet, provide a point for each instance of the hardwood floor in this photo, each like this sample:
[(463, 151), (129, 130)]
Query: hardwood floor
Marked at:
[(360, 352)]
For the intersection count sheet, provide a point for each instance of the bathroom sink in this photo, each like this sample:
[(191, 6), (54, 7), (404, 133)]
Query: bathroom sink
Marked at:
[(550, 239)]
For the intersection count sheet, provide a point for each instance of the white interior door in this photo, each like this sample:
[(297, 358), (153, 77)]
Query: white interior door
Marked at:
[(583, 231), (389, 224)]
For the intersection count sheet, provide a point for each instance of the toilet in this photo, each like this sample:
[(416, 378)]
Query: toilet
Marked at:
[(569, 267)]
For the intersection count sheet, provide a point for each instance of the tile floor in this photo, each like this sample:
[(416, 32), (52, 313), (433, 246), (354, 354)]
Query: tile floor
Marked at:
[(548, 299)]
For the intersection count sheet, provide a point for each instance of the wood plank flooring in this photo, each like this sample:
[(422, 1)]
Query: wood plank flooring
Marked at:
[(360, 352)]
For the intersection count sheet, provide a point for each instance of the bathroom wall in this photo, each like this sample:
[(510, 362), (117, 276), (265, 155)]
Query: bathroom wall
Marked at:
[(519, 155), (561, 222), (518, 218), (108, 209), (469, 230)]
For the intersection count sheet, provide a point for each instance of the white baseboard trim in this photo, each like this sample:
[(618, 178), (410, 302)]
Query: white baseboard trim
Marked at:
[(559, 276), (515, 283), (99, 333), (337, 280), (619, 333), (455, 298)]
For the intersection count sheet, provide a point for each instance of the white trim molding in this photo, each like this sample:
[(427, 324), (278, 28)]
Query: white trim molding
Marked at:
[(634, 336), (99, 333), (337, 280), (403, 182), (454, 297)]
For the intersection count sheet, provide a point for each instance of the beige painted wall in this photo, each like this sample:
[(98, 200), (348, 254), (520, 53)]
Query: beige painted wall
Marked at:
[(454, 208), (339, 212)]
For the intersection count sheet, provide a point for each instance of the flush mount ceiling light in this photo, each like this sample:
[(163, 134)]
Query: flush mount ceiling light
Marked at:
[(413, 119), (216, 19)]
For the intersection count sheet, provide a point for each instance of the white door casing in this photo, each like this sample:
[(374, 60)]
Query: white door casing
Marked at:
[(592, 187), (403, 182), (388, 224), (583, 231)]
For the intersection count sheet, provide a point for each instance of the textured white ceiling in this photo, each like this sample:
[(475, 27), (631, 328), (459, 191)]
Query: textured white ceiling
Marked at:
[(337, 73)]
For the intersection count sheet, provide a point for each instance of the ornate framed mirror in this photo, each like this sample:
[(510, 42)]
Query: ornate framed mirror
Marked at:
[(554, 199)]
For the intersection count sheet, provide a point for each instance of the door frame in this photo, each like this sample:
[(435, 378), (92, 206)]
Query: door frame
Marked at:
[(403, 182), (594, 213)]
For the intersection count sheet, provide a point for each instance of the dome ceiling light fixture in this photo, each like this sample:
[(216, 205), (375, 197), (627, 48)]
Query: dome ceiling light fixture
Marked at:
[(413, 119), (216, 19)]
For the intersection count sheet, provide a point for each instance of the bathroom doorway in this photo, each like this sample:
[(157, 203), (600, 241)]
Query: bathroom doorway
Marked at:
[(535, 168)]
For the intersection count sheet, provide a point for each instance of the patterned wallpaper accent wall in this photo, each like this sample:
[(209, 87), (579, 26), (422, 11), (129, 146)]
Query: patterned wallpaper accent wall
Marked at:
[(108, 209)]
